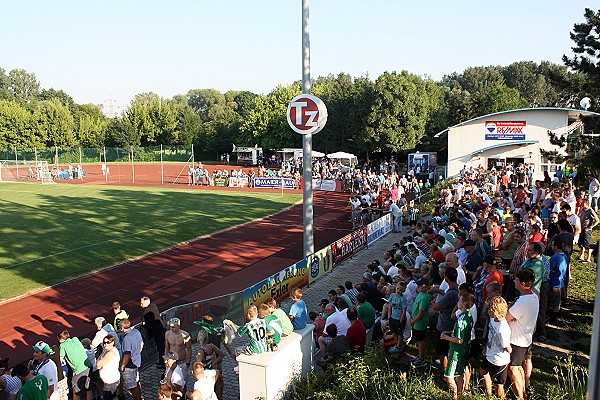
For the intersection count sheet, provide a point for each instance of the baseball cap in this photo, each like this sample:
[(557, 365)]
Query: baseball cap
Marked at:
[(42, 347), (171, 356)]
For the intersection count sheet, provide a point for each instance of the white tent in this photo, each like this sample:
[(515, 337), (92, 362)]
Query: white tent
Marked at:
[(317, 154), (343, 158)]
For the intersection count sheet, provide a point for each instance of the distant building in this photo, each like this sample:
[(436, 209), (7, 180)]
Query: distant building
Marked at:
[(510, 137)]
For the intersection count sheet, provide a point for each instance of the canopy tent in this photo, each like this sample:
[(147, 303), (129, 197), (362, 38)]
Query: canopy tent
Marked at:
[(343, 158), (317, 154), (297, 153)]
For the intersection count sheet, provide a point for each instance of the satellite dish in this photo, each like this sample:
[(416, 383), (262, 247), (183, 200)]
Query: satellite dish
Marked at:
[(585, 103)]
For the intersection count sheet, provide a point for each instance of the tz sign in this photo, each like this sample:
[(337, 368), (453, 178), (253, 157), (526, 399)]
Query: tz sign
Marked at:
[(306, 114)]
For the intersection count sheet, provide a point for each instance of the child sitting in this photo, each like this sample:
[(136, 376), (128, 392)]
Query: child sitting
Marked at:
[(256, 329), (273, 337)]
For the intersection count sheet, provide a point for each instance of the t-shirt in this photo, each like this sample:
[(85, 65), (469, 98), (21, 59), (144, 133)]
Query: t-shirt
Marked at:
[(286, 324), (495, 276), (274, 323), (132, 345), (35, 389), (447, 303), (48, 369), (257, 333), (73, 352), (525, 310), (460, 279), (537, 266), (410, 294), (559, 264), (498, 341), (299, 312), (177, 377), (421, 303), (473, 311), (340, 320), (462, 330), (397, 303), (357, 336), (338, 346), (206, 385), (366, 314)]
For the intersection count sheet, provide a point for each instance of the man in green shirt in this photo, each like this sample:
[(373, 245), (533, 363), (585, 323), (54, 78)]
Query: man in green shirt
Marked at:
[(35, 387), (419, 320), (535, 263), (366, 313), (74, 354)]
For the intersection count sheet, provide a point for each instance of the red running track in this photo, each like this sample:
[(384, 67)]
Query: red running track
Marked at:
[(223, 263)]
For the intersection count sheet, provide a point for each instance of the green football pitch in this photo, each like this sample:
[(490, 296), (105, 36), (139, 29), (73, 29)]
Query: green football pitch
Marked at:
[(49, 233)]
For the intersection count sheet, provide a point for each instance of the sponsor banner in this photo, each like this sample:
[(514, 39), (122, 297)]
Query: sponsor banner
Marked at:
[(379, 228), (220, 181), (278, 285), (320, 263), (349, 244), (324, 184), (505, 130), (273, 183)]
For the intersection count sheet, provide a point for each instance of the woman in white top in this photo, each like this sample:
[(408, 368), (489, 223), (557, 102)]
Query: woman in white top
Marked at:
[(108, 364), (204, 388)]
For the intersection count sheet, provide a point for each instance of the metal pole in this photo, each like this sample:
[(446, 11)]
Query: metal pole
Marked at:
[(132, 168), (106, 163), (36, 161), (307, 139), (593, 390), (162, 168)]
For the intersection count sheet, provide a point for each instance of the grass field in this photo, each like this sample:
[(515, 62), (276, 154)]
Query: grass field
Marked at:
[(54, 232)]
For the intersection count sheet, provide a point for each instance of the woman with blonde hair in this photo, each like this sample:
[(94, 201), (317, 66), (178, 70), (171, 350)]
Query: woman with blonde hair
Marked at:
[(211, 357)]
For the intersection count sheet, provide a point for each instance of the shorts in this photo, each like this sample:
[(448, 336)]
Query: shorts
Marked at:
[(585, 238), (110, 390), (594, 202), (395, 325), (497, 372), (130, 378), (81, 381), (95, 377), (418, 336), (456, 364), (519, 354), (441, 346), (554, 298)]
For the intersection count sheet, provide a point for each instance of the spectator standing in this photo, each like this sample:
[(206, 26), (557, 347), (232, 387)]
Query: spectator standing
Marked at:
[(211, 357), (444, 306), (522, 317), (174, 375), (73, 353), (419, 320), (46, 367), (108, 364), (104, 329), (132, 346), (589, 219), (120, 315), (559, 266), (180, 342)]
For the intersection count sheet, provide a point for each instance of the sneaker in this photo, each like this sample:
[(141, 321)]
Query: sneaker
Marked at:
[(438, 361), (395, 350), (417, 362), (236, 370)]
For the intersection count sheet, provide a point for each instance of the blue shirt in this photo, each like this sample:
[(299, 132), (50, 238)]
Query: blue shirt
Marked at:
[(558, 270), (298, 311), (132, 345), (397, 303)]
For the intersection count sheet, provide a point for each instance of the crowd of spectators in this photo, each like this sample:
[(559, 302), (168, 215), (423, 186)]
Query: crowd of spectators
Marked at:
[(482, 277)]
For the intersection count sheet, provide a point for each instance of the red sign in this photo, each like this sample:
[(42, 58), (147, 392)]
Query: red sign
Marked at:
[(306, 114), (349, 244)]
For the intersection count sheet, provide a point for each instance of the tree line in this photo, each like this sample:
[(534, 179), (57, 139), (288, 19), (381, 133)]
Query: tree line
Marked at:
[(396, 112)]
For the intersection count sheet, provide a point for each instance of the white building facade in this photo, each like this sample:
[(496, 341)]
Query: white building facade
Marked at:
[(510, 137)]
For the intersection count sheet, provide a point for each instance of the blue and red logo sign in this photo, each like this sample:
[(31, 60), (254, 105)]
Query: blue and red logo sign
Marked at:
[(505, 130)]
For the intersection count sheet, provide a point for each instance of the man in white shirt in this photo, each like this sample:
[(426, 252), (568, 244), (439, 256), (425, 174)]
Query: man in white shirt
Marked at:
[(573, 220), (522, 317), (594, 190), (46, 367)]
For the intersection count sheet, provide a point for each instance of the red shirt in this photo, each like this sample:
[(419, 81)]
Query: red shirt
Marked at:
[(538, 237), (495, 276), (438, 256), (357, 336)]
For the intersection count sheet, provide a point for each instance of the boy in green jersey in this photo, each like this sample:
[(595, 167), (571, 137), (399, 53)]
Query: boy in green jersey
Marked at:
[(420, 319), (459, 339), (35, 387), (256, 329), (273, 337)]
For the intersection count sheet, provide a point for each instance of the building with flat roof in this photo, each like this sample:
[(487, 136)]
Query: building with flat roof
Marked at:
[(510, 137)]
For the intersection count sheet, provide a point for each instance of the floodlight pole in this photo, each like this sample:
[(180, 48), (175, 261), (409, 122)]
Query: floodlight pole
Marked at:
[(307, 139), (593, 389)]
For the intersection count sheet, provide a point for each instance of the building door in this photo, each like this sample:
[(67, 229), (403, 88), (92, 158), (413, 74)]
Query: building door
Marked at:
[(515, 161), (498, 163)]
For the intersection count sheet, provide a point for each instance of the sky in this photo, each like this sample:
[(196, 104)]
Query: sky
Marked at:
[(106, 52)]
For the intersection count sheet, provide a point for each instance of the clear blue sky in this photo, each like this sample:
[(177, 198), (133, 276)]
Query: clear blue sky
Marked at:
[(95, 50)]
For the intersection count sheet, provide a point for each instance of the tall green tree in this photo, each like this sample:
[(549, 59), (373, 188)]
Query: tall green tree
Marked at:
[(55, 123), (403, 103), (23, 85), (16, 128), (90, 125), (150, 120)]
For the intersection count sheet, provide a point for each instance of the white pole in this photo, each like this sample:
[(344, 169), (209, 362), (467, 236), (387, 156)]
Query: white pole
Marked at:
[(56, 156), (80, 159), (162, 168), (193, 161), (36, 161), (17, 162), (105, 175), (132, 168)]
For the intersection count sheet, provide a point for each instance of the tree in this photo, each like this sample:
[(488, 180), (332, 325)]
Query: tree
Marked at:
[(90, 125), (586, 60), (150, 120), (23, 85), (403, 103), (16, 127), (55, 123)]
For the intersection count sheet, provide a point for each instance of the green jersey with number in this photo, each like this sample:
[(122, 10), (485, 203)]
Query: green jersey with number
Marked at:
[(257, 333)]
